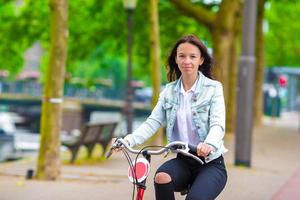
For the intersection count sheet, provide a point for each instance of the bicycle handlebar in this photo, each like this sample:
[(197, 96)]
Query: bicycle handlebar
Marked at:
[(175, 147)]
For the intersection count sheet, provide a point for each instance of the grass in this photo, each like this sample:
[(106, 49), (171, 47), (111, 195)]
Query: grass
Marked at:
[(82, 156)]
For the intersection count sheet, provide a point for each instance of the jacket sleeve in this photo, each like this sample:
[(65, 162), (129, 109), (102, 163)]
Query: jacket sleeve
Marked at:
[(217, 119), (150, 126)]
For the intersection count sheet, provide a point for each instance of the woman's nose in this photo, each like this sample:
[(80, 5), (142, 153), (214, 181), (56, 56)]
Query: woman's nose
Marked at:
[(187, 60)]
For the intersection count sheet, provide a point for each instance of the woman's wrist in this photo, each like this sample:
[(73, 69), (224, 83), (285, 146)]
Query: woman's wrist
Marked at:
[(127, 140)]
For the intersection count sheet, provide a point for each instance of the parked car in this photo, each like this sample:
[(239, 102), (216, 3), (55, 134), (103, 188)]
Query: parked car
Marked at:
[(12, 139), (7, 147), (144, 94)]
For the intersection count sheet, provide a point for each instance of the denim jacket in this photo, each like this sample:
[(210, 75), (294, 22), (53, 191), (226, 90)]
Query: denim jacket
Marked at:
[(207, 107)]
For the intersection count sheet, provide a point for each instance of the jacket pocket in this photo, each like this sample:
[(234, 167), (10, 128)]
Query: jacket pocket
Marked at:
[(168, 107), (202, 113), (203, 108)]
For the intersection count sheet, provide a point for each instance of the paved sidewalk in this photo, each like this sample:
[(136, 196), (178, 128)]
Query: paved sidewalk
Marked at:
[(290, 190), (275, 172)]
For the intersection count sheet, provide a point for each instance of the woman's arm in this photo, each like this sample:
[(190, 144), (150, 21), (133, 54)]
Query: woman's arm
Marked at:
[(217, 119), (150, 126)]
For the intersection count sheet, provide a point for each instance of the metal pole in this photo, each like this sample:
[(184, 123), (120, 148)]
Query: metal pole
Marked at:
[(129, 99), (244, 121)]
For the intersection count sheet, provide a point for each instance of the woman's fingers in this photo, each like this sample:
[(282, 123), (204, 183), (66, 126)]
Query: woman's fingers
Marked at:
[(113, 140), (119, 148), (203, 149)]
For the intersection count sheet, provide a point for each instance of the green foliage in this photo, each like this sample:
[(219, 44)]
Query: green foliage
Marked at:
[(174, 26), (96, 42), (11, 53), (282, 39), (97, 45), (20, 27)]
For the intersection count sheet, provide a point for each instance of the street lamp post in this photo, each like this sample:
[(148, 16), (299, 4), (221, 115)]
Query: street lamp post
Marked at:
[(129, 6), (243, 136)]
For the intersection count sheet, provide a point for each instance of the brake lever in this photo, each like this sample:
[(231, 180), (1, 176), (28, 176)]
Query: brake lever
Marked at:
[(114, 146), (108, 153)]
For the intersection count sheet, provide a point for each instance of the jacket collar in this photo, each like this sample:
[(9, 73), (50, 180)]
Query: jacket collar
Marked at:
[(201, 81)]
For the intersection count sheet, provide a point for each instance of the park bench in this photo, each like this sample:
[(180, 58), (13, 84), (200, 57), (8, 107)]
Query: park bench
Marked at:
[(90, 135)]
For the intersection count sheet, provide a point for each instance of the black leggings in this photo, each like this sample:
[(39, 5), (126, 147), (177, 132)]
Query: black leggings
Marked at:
[(206, 181)]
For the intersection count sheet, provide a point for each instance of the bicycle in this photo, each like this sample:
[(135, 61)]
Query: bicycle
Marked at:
[(138, 170)]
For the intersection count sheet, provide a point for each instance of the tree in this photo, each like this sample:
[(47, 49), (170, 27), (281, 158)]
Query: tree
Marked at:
[(99, 51), (11, 58), (154, 50), (260, 64), (282, 32), (155, 60), (18, 28), (48, 166)]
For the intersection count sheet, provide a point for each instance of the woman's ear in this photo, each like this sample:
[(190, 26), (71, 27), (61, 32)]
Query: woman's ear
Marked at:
[(201, 61)]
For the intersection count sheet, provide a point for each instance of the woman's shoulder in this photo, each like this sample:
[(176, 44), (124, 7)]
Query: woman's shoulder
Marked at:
[(171, 85), (169, 89), (211, 82)]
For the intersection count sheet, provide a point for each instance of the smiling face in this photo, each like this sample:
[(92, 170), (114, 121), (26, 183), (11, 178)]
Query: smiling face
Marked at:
[(188, 59)]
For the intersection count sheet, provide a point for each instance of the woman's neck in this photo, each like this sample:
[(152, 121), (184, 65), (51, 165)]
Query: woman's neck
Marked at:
[(188, 81)]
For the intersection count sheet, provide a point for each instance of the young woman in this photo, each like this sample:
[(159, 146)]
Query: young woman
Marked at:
[(192, 105)]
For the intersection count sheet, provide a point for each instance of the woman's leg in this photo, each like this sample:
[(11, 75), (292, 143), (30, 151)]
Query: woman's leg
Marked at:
[(209, 182), (173, 175)]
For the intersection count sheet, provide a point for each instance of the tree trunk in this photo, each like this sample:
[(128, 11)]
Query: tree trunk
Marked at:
[(221, 41), (260, 64), (224, 53), (233, 75), (155, 62), (224, 36), (48, 166), (232, 82)]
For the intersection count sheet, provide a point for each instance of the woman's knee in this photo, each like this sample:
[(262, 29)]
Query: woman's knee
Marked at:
[(162, 178)]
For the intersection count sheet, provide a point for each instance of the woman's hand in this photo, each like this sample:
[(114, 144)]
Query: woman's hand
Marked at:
[(119, 148), (204, 149)]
